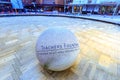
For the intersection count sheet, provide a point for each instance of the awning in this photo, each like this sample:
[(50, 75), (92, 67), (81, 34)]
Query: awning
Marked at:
[(73, 4), (92, 4), (108, 4), (53, 5), (4, 2)]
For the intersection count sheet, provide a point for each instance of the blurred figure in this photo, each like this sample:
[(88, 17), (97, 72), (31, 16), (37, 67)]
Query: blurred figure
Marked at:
[(119, 12)]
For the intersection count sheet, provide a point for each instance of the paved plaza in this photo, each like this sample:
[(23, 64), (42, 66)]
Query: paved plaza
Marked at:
[(99, 57)]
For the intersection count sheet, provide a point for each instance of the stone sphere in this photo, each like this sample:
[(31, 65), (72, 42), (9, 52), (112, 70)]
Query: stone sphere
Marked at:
[(57, 49)]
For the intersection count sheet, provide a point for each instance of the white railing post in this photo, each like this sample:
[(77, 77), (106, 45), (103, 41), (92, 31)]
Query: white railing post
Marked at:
[(64, 5), (115, 10)]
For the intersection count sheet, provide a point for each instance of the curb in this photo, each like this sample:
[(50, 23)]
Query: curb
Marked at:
[(63, 15)]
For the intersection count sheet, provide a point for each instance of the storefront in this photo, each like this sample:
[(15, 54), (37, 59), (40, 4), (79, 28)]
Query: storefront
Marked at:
[(91, 8), (5, 7), (77, 9), (108, 8), (44, 7), (53, 7), (84, 9), (96, 9)]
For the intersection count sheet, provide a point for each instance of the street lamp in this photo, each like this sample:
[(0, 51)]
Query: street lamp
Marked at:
[(64, 5)]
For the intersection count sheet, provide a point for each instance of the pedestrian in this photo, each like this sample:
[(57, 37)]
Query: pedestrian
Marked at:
[(119, 12)]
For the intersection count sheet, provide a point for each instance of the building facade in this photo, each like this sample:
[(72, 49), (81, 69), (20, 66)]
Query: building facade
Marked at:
[(46, 5), (5, 6), (32, 5), (109, 6), (26, 2), (73, 6), (96, 6), (8, 6), (51, 5)]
